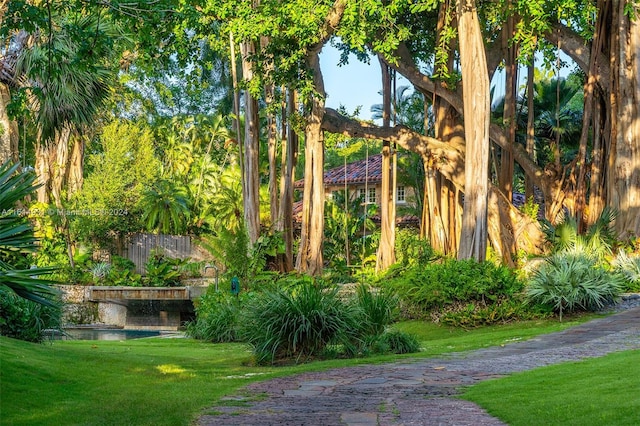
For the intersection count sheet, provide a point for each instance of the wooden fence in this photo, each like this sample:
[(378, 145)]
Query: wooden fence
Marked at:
[(141, 245)]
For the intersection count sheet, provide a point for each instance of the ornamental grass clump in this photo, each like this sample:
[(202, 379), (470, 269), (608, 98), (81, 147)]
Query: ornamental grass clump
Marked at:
[(299, 323), (568, 282), (377, 307)]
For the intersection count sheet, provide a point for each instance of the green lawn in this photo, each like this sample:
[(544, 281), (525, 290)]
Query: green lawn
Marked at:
[(170, 381), (599, 391)]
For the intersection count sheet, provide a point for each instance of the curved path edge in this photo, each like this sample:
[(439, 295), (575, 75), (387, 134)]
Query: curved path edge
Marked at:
[(416, 392)]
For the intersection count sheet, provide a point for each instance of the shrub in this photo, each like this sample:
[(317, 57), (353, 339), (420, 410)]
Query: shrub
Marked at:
[(122, 273), (469, 315), (629, 267), (26, 320), (399, 342), (377, 309), (163, 271), (100, 271), (298, 323), (217, 318), (567, 282), (435, 287), (413, 250)]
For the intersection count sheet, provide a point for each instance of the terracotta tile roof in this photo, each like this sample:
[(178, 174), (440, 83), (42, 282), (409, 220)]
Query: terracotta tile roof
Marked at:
[(355, 173)]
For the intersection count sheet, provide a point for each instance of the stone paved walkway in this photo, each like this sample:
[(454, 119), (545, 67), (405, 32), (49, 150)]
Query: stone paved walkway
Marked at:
[(419, 392)]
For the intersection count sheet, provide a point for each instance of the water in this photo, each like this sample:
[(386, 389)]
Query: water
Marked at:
[(103, 334)]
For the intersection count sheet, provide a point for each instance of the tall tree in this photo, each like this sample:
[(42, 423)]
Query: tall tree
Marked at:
[(473, 239), (385, 256)]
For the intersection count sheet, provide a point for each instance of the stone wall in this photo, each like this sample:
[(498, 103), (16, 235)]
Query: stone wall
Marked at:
[(76, 308)]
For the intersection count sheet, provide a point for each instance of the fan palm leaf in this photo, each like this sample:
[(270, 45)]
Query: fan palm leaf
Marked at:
[(17, 239)]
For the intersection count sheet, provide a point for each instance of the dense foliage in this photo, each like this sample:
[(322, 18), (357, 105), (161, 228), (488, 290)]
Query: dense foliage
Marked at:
[(301, 321), (27, 302), (26, 320), (460, 292)]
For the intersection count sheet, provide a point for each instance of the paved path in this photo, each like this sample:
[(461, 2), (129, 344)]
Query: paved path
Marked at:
[(419, 392)]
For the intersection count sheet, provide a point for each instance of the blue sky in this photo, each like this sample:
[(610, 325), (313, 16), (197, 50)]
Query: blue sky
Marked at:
[(352, 85), (358, 84)]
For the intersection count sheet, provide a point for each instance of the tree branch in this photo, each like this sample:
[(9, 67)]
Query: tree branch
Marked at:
[(570, 43), (448, 160)]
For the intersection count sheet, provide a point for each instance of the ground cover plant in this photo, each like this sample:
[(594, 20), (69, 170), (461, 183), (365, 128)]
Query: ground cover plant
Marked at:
[(599, 391), (461, 292), (171, 381)]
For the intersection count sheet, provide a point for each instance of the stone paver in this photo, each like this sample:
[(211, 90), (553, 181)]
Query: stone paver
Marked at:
[(419, 392)]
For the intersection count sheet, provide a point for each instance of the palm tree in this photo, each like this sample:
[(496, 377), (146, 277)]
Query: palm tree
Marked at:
[(226, 209), (166, 208), (407, 108), (68, 69), (17, 240)]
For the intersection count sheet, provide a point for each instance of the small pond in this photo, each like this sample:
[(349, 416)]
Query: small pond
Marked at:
[(103, 334)]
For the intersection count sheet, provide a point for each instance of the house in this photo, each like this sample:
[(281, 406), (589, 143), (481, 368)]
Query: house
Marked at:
[(363, 177)]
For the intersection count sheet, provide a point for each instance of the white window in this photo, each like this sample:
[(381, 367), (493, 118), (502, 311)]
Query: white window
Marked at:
[(372, 196), (401, 195), (368, 196)]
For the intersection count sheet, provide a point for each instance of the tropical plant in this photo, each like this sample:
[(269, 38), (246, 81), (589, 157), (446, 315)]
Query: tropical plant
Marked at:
[(298, 323), (121, 272), (411, 249), (70, 80), (226, 208), (599, 239), (437, 288), (378, 308), (100, 270), (629, 267), (26, 320), (165, 208), (570, 281), (231, 247), (163, 271), (218, 317), (17, 240)]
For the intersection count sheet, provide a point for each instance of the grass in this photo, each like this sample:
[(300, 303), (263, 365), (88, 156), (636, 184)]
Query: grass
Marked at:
[(172, 381), (599, 391)]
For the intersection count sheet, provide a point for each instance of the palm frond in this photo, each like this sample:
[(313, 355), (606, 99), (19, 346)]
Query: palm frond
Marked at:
[(16, 237)]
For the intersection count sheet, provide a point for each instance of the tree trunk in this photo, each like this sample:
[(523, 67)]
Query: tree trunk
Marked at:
[(272, 137), (531, 131), (288, 165), (59, 164), (8, 128), (440, 211), (509, 113), (76, 167), (386, 253), (251, 196), (597, 198), (310, 260), (473, 237), (624, 174), (272, 151)]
